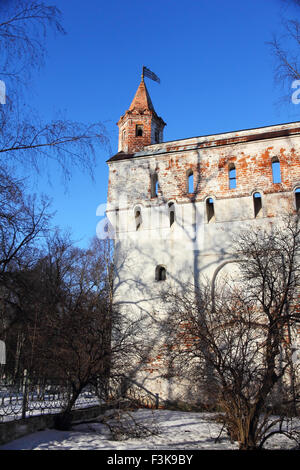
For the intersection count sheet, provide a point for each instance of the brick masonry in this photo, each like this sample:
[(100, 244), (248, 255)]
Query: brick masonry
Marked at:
[(209, 161), (140, 113), (194, 246)]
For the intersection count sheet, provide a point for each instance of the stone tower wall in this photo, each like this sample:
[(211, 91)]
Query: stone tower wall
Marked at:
[(193, 247)]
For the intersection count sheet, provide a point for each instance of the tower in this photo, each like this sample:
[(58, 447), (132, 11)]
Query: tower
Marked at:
[(140, 125), (210, 188)]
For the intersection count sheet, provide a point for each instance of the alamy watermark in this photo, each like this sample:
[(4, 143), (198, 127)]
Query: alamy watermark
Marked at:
[(2, 353), (124, 221), (2, 92), (296, 94)]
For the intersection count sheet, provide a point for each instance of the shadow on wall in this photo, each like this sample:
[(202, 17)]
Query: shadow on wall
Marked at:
[(138, 292)]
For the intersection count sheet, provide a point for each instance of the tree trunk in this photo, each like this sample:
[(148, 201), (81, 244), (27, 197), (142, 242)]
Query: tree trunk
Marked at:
[(63, 420)]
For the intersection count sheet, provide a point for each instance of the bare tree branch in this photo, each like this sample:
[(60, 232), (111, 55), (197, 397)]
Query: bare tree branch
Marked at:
[(24, 138), (237, 345)]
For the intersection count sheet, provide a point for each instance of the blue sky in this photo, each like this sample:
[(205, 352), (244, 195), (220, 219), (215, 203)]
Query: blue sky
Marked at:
[(216, 71)]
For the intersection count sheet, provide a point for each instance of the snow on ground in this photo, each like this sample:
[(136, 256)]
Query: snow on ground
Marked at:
[(177, 431)]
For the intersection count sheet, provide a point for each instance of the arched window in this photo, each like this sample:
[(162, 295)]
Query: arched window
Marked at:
[(297, 198), (276, 170), (232, 176), (138, 218), (160, 273), (139, 130), (210, 210), (154, 185), (190, 181), (257, 204), (171, 213)]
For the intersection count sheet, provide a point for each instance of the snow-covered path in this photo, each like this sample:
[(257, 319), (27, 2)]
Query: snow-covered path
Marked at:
[(177, 431)]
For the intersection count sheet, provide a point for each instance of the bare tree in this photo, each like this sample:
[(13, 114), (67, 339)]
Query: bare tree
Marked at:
[(24, 223), (24, 138), (285, 49), (22, 220), (24, 25), (236, 345)]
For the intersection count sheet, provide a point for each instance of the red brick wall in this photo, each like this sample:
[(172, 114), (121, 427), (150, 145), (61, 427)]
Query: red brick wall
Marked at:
[(211, 175), (210, 165), (131, 143)]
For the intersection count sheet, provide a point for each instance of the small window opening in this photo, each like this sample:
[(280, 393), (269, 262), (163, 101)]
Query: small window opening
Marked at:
[(171, 213), (138, 219), (297, 199), (117, 220), (160, 273), (210, 210), (257, 202), (156, 136), (154, 185), (190, 182), (124, 135), (276, 170), (232, 176), (139, 130)]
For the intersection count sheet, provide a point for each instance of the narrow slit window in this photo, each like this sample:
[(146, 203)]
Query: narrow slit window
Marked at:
[(297, 199), (117, 221), (210, 210), (190, 182), (138, 219), (156, 136), (232, 177), (154, 185), (139, 130), (160, 273), (276, 171), (171, 213), (257, 203)]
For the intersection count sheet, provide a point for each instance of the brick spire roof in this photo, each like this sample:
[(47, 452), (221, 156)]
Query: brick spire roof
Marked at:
[(140, 125), (142, 100)]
